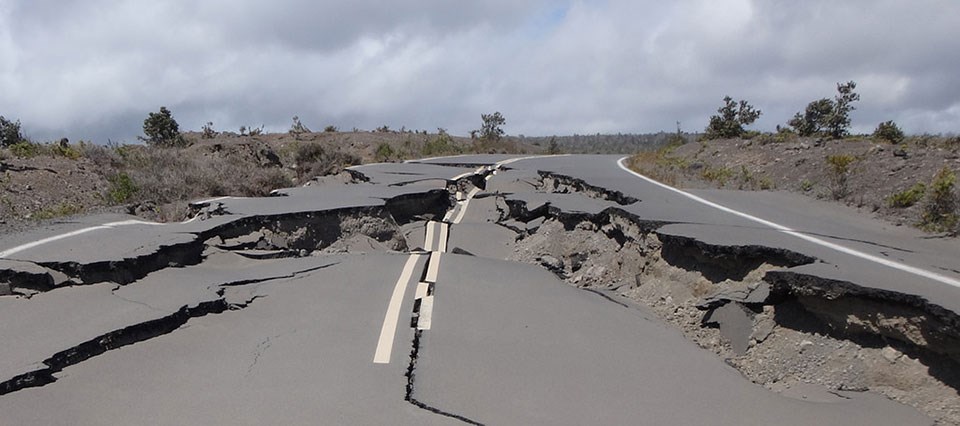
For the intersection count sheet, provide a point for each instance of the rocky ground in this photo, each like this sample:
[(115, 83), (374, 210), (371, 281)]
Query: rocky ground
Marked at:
[(802, 347)]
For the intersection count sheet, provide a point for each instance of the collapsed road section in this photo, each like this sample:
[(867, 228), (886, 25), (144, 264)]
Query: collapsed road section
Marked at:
[(303, 286), (769, 311)]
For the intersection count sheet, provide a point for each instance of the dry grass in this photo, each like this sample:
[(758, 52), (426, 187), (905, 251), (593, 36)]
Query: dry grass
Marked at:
[(656, 165)]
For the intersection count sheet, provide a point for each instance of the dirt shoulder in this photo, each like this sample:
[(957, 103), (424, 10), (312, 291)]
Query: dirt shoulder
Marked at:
[(40, 183), (881, 179)]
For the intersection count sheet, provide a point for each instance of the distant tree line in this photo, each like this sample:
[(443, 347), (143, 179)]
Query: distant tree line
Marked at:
[(620, 143)]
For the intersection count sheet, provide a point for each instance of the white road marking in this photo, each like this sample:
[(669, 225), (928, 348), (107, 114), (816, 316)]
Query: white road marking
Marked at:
[(466, 203), (111, 225), (428, 239), (392, 317), (433, 267), (461, 176), (529, 157), (442, 241), (425, 320), (210, 200), (436, 158), (422, 290), (866, 256)]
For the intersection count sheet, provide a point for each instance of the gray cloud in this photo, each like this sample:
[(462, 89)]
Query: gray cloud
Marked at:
[(93, 69)]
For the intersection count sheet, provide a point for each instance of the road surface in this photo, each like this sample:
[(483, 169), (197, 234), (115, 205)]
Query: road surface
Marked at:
[(388, 298)]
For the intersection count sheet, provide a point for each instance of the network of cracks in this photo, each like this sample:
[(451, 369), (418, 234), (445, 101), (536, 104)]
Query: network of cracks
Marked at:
[(779, 327)]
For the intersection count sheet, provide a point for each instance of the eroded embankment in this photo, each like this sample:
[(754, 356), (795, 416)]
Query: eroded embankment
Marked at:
[(778, 326)]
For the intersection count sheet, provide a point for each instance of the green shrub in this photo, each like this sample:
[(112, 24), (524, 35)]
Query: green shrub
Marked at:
[(309, 152), (827, 116), (10, 132), (313, 160), (385, 152), (719, 175), (733, 115), (65, 150), (889, 131), (25, 149), (443, 144), (940, 209), (806, 185), (207, 131), (122, 188), (765, 183), (840, 174), (907, 198), (60, 210), (331, 129)]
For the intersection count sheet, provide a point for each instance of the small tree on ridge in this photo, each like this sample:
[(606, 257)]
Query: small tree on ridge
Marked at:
[(733, 115), (162, 130), (491, 130)]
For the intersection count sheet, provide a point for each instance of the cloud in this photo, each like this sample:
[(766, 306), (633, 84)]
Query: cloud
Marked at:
[(93, 69)]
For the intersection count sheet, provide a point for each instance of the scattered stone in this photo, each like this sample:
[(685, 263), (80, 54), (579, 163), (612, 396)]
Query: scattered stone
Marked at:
[(763, 327), (891, 354), (899, 152), (757, 294), (551, 263)]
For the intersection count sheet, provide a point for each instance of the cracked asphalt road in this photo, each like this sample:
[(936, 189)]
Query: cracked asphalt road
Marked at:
[(274, 310)]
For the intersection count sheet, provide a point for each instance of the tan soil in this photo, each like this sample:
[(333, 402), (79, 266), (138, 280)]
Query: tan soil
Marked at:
[(880, 170)]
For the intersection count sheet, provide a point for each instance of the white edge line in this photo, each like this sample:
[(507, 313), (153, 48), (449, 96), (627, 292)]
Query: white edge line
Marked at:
[(389, 329), (866, 256), (436, 158), (40, 242)]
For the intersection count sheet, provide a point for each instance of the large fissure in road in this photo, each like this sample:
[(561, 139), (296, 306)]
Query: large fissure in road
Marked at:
[(777, 325), (110, 341), (286, 234)]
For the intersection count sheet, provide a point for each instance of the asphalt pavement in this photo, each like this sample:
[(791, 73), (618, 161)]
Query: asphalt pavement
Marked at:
[(442, 331)]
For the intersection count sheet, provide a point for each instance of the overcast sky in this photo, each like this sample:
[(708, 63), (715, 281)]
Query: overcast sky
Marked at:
[(93, 69)]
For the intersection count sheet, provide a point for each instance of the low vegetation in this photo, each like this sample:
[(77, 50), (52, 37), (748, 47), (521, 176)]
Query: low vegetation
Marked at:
[(889, 131), (839, 167), (940, 211), (908, 197)]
